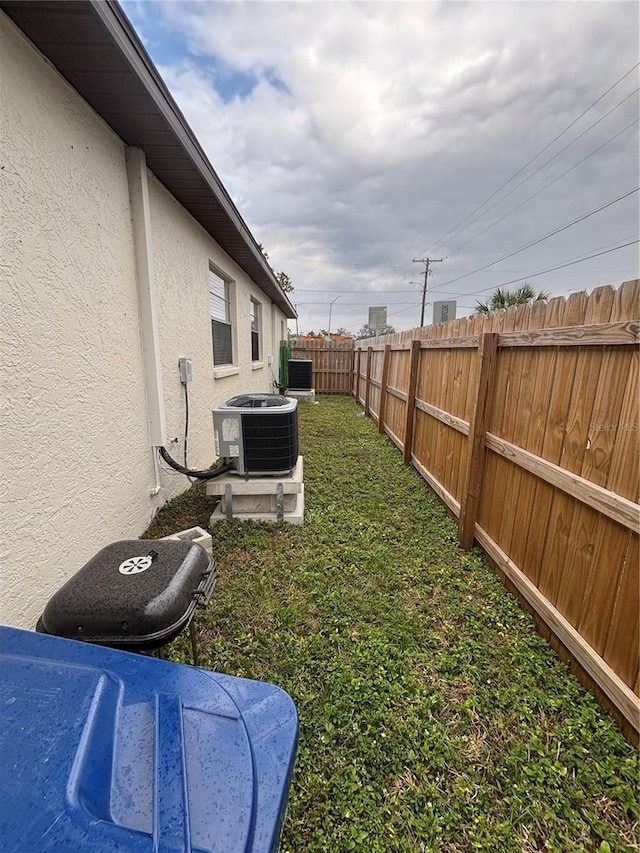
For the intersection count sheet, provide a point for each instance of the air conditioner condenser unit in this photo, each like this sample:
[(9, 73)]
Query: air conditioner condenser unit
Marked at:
[(300, 373), (257, 434)]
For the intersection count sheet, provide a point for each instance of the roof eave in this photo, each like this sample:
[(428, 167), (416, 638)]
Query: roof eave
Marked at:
[(218, 214)]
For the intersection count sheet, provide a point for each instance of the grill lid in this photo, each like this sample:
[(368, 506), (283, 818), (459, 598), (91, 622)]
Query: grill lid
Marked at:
[(138, 592)]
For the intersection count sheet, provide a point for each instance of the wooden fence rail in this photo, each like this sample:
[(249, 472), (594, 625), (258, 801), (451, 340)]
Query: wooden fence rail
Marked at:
[(525, 423)]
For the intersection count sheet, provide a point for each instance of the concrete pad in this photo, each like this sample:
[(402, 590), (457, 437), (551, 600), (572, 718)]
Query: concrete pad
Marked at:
[(259, 503), (302, 396), (295, 516)]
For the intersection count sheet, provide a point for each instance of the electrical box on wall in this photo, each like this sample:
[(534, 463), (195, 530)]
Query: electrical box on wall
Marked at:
[(184, 365)]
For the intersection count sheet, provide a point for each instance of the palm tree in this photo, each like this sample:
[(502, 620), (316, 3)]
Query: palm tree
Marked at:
[(503, 298)]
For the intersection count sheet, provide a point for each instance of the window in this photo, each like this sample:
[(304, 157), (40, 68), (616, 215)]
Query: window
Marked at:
[(254, 316), (220, 309)]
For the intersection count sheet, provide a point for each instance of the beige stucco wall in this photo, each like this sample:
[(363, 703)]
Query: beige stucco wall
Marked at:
[(182, 253), (75, 459)]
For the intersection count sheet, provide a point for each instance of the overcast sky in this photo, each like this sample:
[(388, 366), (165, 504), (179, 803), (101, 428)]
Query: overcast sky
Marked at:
[(354, 136)]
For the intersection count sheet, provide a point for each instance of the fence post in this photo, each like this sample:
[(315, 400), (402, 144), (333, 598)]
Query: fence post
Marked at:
[(487, 356), (411, 399), (382, 408), (359, 351), (352, 387), (367, 387)]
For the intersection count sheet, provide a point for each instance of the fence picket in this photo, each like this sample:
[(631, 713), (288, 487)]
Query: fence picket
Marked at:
[(367, 383), (487, 353), (411, 398), (384, 381)]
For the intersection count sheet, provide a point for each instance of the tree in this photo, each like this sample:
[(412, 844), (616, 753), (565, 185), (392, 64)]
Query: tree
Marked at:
[(504, 298), (342, 331), (285, 282), (368, 331), (283, 279)]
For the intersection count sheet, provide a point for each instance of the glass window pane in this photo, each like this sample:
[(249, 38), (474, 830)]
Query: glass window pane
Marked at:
[(254, 316), (218, 297), (222, 349)]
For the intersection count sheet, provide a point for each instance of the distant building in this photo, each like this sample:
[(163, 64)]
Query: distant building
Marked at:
[(378, 317), (444, 311)]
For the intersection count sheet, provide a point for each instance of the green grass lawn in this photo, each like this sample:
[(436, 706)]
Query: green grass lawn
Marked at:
[(433, 717)]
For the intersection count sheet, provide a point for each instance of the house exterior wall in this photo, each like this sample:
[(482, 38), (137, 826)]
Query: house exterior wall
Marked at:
[(182, 253), (77, 468)]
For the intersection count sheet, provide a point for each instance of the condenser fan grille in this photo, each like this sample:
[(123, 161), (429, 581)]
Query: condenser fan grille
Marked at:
[(300, 374), (270, 445)]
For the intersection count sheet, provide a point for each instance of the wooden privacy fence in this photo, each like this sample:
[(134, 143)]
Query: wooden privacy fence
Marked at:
[(332, 363), (525, 423)]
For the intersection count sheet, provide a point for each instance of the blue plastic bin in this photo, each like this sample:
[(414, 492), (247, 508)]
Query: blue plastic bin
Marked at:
[(104, 750)]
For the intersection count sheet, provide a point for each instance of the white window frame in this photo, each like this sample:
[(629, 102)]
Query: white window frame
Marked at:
[(222, 313), (255, 330)]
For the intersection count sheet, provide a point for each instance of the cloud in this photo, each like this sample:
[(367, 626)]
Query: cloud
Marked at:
[(356, 134)]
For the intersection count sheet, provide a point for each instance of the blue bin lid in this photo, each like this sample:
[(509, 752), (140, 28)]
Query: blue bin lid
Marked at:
[(112, 751)]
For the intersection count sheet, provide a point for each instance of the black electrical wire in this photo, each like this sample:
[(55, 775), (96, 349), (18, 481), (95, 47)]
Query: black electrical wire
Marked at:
[(539, 239), (184, 469), (611, 139), (276, 384), (199, 475), (531, 274), (544, 165), (553, 269)]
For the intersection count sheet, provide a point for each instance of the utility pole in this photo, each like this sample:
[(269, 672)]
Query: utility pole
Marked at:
[(426, 262)]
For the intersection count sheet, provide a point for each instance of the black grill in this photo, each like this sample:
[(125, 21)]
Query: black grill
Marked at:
[(135, 594), (300, 374), (270, 444)]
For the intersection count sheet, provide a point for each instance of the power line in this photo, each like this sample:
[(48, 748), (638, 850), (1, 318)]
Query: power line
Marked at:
[(553, 269), (634, 123), (414, 290), (344, 304), (531, 274), (545, 164), (341, 290), (605, 246), (544, 236), (533, 159)]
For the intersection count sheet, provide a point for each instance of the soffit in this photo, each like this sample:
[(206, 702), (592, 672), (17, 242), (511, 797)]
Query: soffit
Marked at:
[(94, 47)]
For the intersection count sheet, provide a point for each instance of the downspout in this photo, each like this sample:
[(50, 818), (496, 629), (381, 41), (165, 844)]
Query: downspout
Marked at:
[(141, 224)]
